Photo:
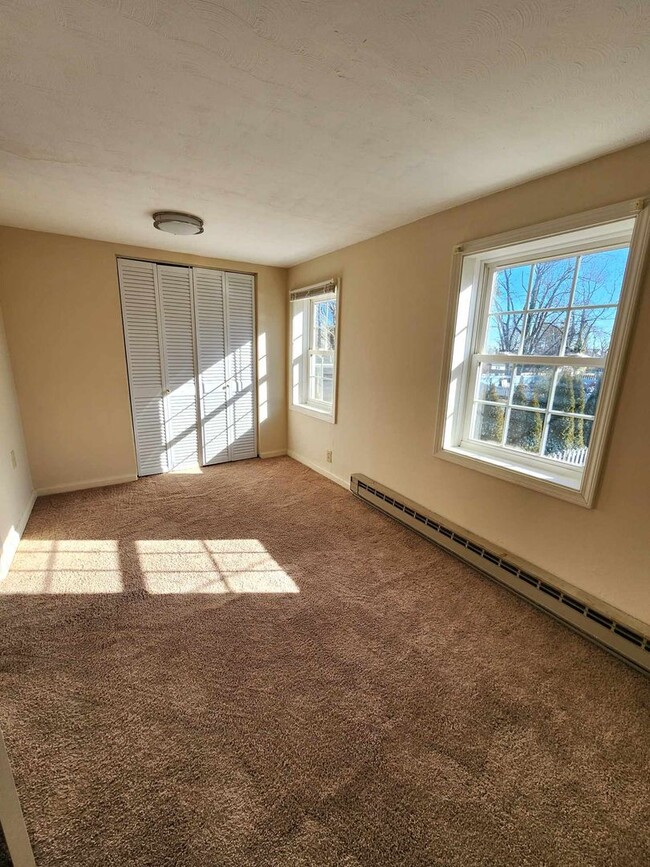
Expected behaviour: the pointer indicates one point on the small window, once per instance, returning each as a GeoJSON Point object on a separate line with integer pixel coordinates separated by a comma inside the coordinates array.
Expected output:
{"type": "Point", "coordinates": [314, 317]}
{"type": "Point", "coordinates": [541, 324]}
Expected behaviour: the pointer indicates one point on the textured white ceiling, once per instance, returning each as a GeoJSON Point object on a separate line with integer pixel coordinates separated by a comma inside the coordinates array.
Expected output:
{"type": "Point", "coordinates": [294, 127]}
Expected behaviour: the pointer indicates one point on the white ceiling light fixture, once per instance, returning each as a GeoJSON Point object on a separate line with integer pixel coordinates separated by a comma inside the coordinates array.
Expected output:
{"type": "Point", "coordinates": [177, 223]}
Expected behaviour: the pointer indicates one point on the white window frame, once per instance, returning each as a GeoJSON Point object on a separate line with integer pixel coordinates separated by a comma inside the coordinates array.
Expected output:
{"type": "Point", "coordinates": [302, 303]}
{"type": "Point", "coordinates": [473, 263]}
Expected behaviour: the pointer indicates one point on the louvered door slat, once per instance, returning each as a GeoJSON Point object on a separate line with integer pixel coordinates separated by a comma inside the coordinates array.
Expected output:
{"type": "Point", "coordinates": [175, 287]}
{"type": "Point", "coordinates": [211, 359]}
{"type": "Point", "coordinates": [190, 351]}
{"type": "Point", "coordinates": [140, 314]}
{"type": "Point", "coordinates": [240, 326]}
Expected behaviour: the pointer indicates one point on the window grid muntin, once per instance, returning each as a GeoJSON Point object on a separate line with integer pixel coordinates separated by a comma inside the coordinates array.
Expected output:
{"type": "Point", "coordinates": [302, 343]}
{"type": "Point", "coordinates": [308, 399]}
{"type": "Point", "coordinates": [538, 409]}
{"type": "Point", "coordinates": [525, 313]}
{"type": "Point", "coordinates": [577, 252]}
{"type": "Point", "coordinates": [626, 224]}
{"type": "Point", "coordinates": [584, 248]}
{"type": "Point", "coordinates": [327, 329]}
{"type": "Point", "coordinates": [552, 309]}
{"type": "Point", "coordinates": [312, 400]}
{"type": "Point", "coordinates": [546, 412]}
{"type": "Point", "coordinates": [508, 406]}
{"type": "Point", "coordinates": [548, 360]}
{"type": "Point", "coordinates": [488, 285]}
{"type": "Point", "coordinates": [516, 361]}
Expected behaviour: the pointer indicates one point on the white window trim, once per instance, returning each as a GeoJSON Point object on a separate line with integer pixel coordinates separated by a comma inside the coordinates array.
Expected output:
{"type": "Point", "coordinates": [469, 267]}
{"type": "Point", "coordinates": [323, 291]}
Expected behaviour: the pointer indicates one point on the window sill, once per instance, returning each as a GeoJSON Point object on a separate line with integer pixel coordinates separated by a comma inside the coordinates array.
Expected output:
{"type": "Point", "coordinates": [322, 414]}
{"type": "Point", "coordinates": [545, 481]}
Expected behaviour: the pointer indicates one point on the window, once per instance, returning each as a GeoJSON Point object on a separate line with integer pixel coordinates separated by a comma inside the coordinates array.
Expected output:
{"type": "Point", "coordinates": [313, 349]}
{"type": "Point", "coordinates": [541, 323]}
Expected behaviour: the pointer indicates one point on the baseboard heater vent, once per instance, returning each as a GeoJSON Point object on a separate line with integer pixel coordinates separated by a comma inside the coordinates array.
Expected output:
{"type": "Point", "coordinates": [587, 617]}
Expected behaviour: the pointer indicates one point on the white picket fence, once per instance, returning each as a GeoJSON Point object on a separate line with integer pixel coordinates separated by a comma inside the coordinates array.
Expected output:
{"type": "Point", "coordinates": [577, 457]}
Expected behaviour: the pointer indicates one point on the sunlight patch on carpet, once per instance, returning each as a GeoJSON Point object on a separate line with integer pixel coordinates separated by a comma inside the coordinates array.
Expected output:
{"type": "Point", "coordinates": [211, 566]}
{"type": "Point", "coordinates": [152, 566]}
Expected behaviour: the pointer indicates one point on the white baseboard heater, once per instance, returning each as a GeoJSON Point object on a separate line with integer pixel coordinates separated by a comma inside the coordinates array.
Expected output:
{"type": "Point", "coordinates": [604, 625]}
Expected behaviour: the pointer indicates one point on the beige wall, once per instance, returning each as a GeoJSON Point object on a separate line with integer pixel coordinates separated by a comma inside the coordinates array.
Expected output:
{"type": "Point", "coordinates": [15, 482]}
{"type": "Point", "coordinates": [394, 301]}
{"type": "Point", "coordinates": [62, 311]}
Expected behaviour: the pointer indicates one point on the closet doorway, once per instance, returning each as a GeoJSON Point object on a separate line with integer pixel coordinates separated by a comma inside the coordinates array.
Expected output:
{"type": "Point", "coordinates": [190, 348]}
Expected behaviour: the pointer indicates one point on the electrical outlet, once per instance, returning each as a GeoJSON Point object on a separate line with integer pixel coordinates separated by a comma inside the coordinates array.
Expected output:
{"type": "Point", "coordinates": [329, 457]}
{"type": "Point", "coordinates": [14, 463]}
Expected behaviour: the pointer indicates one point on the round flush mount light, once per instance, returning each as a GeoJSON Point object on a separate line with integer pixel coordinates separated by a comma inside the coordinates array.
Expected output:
{"type": "Point", "coordinates": [177, 223]}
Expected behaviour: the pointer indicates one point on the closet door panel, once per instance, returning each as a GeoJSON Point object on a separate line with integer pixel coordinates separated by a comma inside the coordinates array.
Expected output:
{"type": "Point", "coordinates": [209, 311]}
{"type": "Point", "coordinates": [240, 326]}
{"type": "Point", "coordinates": [190, 335]}
{"type": "Point", "coordinates": [175, 287]}
{"type": "Point", "coordinates": [150, 438]}
{"type": "Point", "coordinates": [141, 331]}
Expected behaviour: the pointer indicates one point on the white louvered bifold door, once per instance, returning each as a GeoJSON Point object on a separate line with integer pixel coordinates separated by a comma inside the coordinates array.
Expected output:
{"type": "Point", "coordinates": [240, 366]}
{"type": "Point", "coordinates": [177, 320]}
{"type": "Point", "coordinates": [209, 313]}
{"type": "Point", "coordinates": [190, 338]}
{"type": "Point", "coordinates": [141, 331]}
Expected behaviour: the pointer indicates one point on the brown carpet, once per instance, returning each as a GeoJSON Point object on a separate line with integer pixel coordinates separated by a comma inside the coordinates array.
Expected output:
{"type": "Point", "coordinates": [250, 667]}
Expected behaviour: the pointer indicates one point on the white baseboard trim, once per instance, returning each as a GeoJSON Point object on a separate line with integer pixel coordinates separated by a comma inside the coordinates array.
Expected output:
{"type": "Point", "coordinates": [278, 453]}
{"type": "Point", "coordinates": [13, 540]}
{"type": "Point", "coordinates": [87, 483]}
{"type": "Point", "coordinates": [318, 469]}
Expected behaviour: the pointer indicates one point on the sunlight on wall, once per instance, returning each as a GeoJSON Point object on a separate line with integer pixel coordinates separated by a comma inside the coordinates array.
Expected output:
{"type": "Point", "coordinates": [262, 385]}
{"type": "Point", "coordinates": [152, 566]}
{"type": "Point", "coordinates": [263, 402]}
{"type": "Point", "coordinates": [261, 356]}
{"type": "Point", "coordinates": [461, 331]}
{"type": "Point", "coordinates": [8, 548]}
{"type": "Point", "coordinates": [459, 347]}
{"type": "Point", "coordinates": [297, 329]}
{"type": "Point", "coordinates": [297, 334]}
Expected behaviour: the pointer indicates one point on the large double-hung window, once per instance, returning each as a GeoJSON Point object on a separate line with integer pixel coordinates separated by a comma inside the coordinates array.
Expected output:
{"type": "Point", "coordinates": [541, 324]}
{"type": "Point", "coordinates": [314, 321]}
